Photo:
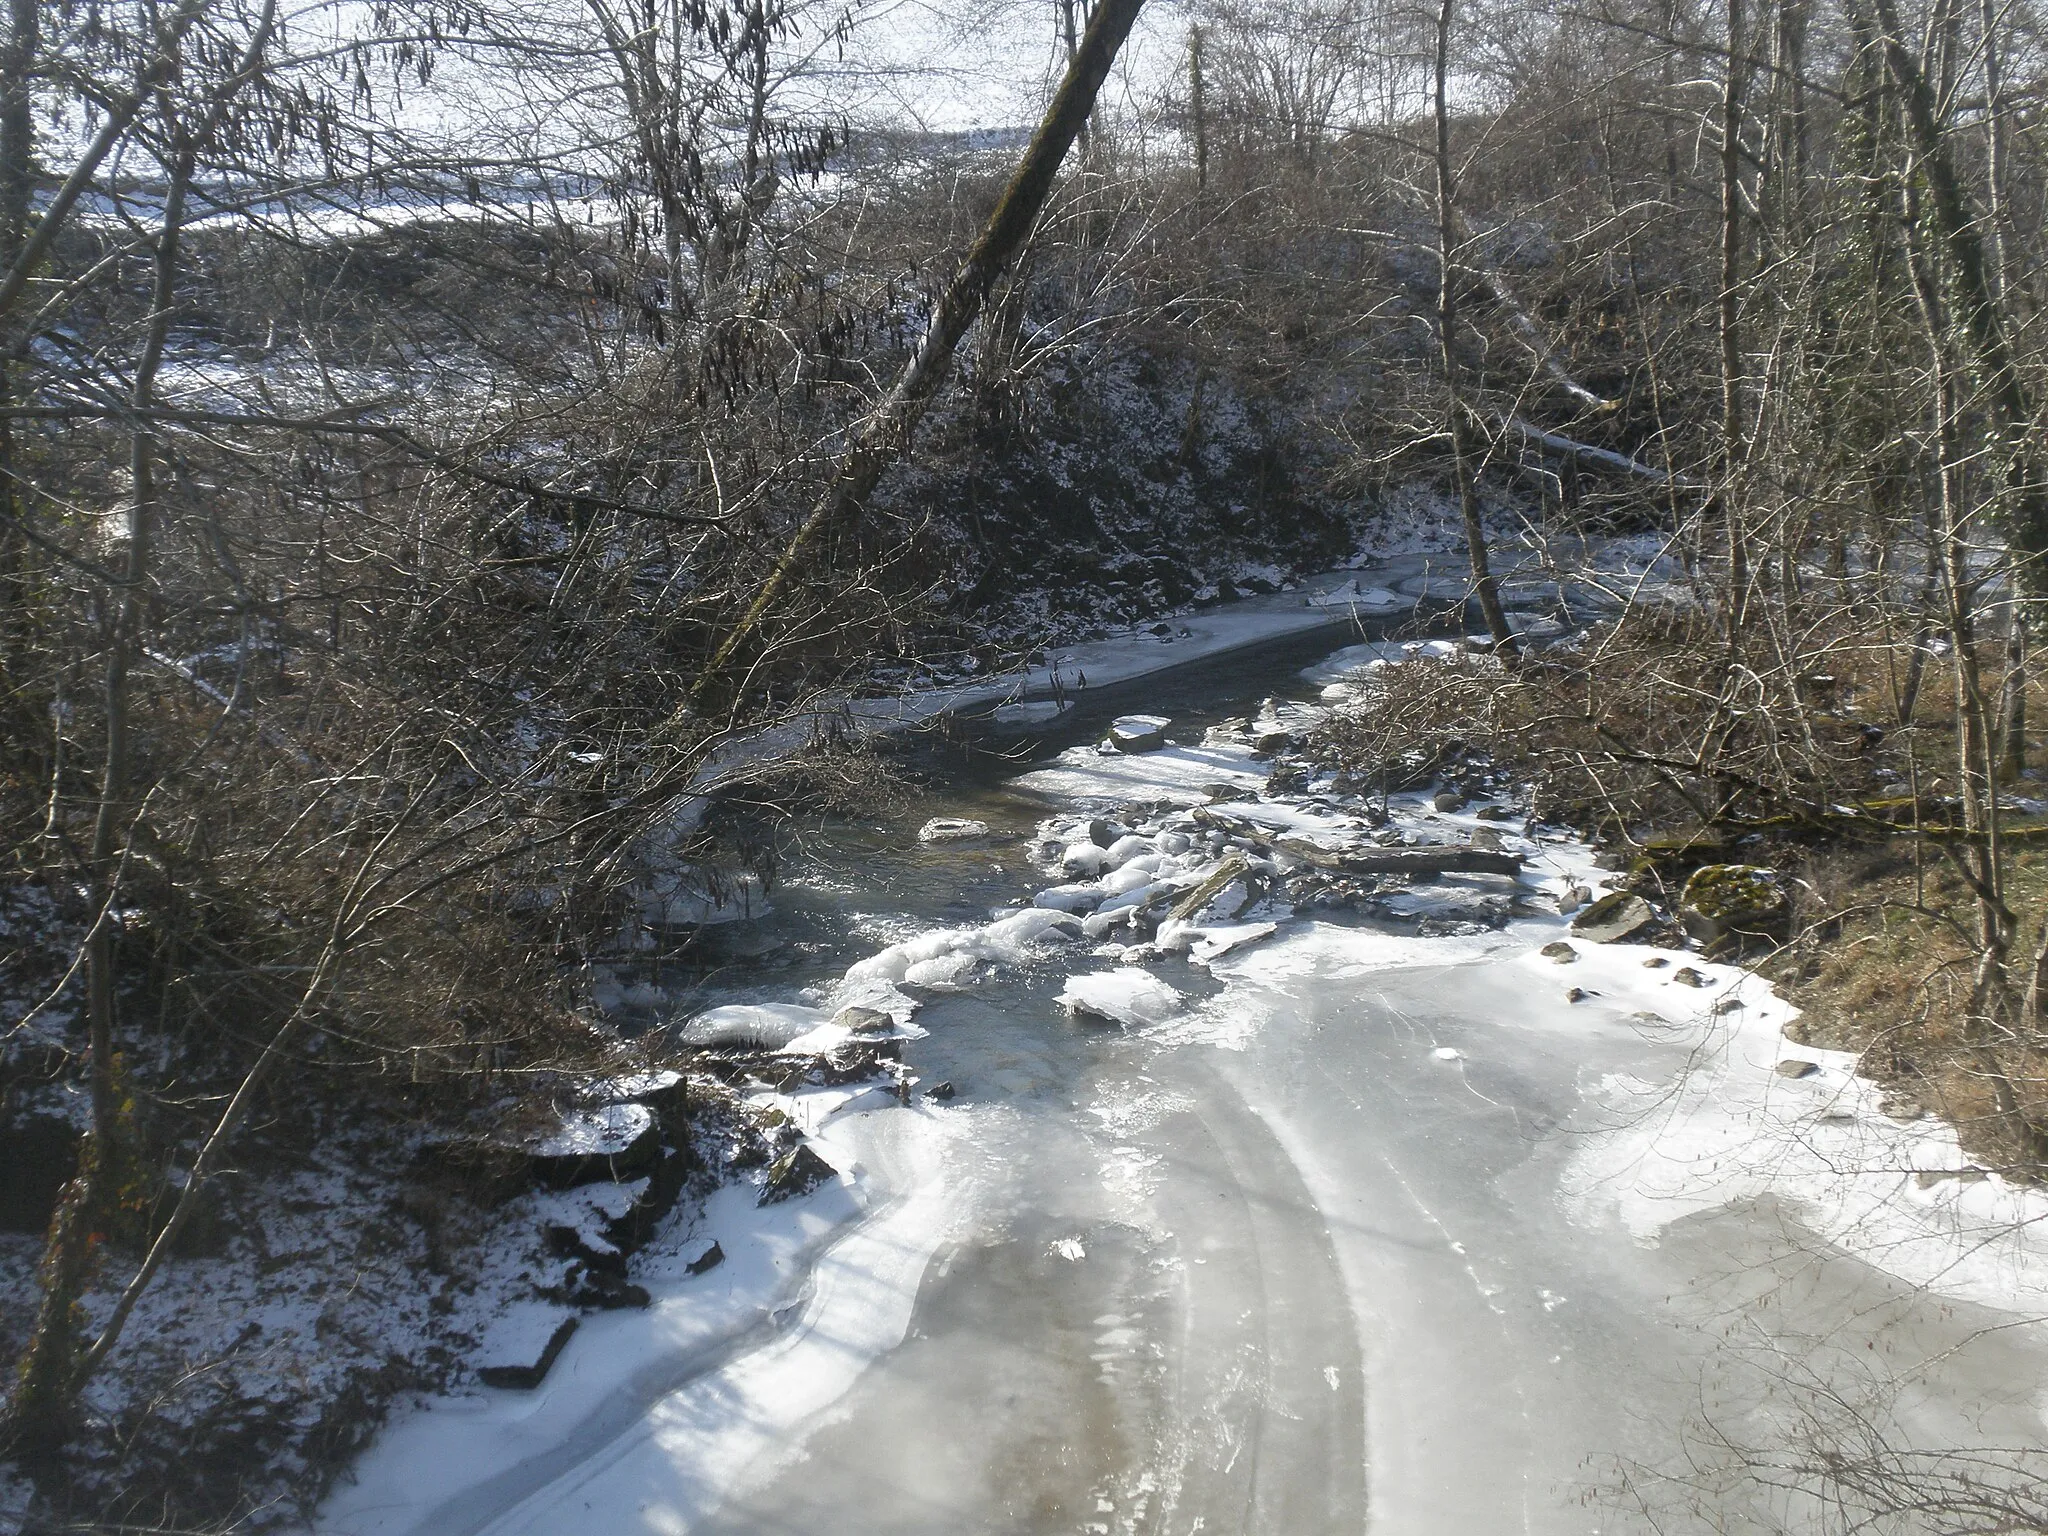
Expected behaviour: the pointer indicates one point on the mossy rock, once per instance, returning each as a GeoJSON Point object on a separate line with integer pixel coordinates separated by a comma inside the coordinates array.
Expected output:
{"type": "Point", "coordinates": [797, 1172]}
{"type": "Point", "coordinates": [1669, 859]}
{"type": "Point", "coordinates": [1614, 917]}
{"type": "Point", "coordinates": [1736, 901]}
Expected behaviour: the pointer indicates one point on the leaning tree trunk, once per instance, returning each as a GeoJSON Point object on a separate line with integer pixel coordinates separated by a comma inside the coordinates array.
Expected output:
{"type": "Point", "coordinates": [885, 435]}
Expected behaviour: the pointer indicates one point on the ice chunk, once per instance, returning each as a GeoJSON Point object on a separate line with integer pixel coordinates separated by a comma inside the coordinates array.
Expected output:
{"type": "Point", "coordinates": [877, 997]}
{"type": "Point", "coordinates": [1126, 995]}
{"type": "Point", "coordinates": [1210, 941]}
{"type": "Point", "coordinates": [770, 1026]}
{"type": "Point", "coordinates": [1008, 936]}
{"type": "Point", "coordinates": [945, 972]}
{"type": "Point", "coordinates": [1126, 848]}
{"type": "Point", "coordinates": [1069, 898]}
{"type": "Point", "coordinates": [1352, 595]}
{"type": "Point", "coordinates": [1034, 712]}
{"type": "Point", "coordinates": [947, 957]}
{"type": "Point", "coordinates": [822, 1041]}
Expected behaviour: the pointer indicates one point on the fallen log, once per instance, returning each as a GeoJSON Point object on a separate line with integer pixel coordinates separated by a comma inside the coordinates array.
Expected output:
{"type": "Point", "coordinates": [1457, 859]}
{"type": "Point", "coordinates": [1232, 868]}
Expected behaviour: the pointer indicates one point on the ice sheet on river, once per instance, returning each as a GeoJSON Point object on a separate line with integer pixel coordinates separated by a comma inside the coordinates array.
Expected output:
{"type": "Point", "coordinates": [1182, 775]}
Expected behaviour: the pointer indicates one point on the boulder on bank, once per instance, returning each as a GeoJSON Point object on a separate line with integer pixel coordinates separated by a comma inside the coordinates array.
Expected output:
{"type": "Point", "coordinates": [865, 1021]}
{"type": "Point", "coordinates": [1138, 733]}
{"type": "Point", "coordinates": [598, 1290]}
{"type": "Point", "coordinates": [662, 1089]}
{"type": "Point", "coordinates": [523, 1346]}
{"type": "Point", "coordinates": [1103, 833]}
{"type": "Point", "coordinates": [797, 1172]}
{"type": "Point", "coordinates": [612, 1141]}
{"type": "Point", "coordinates": [1724, 902]}
{"type": "Point", "coordinates": [1271, 740]}
{"type": "Point", "coordinates": [1614, 917]}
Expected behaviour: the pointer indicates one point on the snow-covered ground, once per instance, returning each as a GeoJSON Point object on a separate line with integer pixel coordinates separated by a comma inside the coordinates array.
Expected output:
{"type": "Point", "coordinates": [1399, 1216]}
{"type": "Point", "coordinates": [651, 1415]}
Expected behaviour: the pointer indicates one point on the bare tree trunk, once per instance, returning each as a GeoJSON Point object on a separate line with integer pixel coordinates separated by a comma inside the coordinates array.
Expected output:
{"type": "Point", "coordinates": [17, 187]}
{"type": "Point", "coordinates": [2021, 511]}
{"type": "Point", "coordinates": [2013, 714]}
{"type": "Point", "coordinates": [1071, 32]}
{"type": "Point", "coordinates": [208, 1159]}
{"type": "Point", "coordinates": [885, 435]}
{"type": "Point", "coordinates": [1733, 450]}
{"type": "Point", "coordinates": [1981, 863]}
{"type": "Point", "coordinates": [2012, 724]}
{"type": "Point", "coordinates": [40, 1411]}
{"type": "Point", "coordinates": [1483, 584]}
{"type": "Point", "coordinates": [1198, 107]}
{"type": "Point", "coordinates": [120, 115]}
{"type": "Point", "coordinates": [1995, 147]}
{"type": "Point", "coordinates": [49, 1378]}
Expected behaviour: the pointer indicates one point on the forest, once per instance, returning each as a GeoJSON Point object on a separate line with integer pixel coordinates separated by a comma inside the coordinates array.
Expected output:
{"type": "Point", "coordinates": [469, 475]}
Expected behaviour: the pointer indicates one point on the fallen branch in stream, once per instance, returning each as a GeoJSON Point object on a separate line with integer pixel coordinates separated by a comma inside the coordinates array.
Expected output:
{"type": "Point", "coordinates": [1458, 859]}
{"type": "Point", "coordinates": [1451, 859]}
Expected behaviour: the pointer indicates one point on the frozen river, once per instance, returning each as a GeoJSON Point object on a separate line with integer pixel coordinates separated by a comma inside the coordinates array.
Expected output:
{"type": "Point", "coordinates": [1292, 1270]}
{"type": "Point", "coordinates": [1375, 1233]}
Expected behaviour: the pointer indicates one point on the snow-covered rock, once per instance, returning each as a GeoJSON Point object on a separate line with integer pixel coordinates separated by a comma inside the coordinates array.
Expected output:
{"type": "Point", "coordinates": [951, 829]}
{"type": "Point", "coordinates": [1126, 848]}
{"type": "Point", "coordinates": [594, 1143]}
{"type": "Point", "coordinates": [523, 1345]}
{"type": "Point", "coordinates": [1138, 733]}
{"type": "Point", "coordinates": [1086, 858]}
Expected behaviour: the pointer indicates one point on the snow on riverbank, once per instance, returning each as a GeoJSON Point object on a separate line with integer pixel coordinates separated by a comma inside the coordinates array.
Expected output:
{"type": "Point", "coordinates": [1757, 1115]}
{"type": "Point", "coordinates": [651, 1417]}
